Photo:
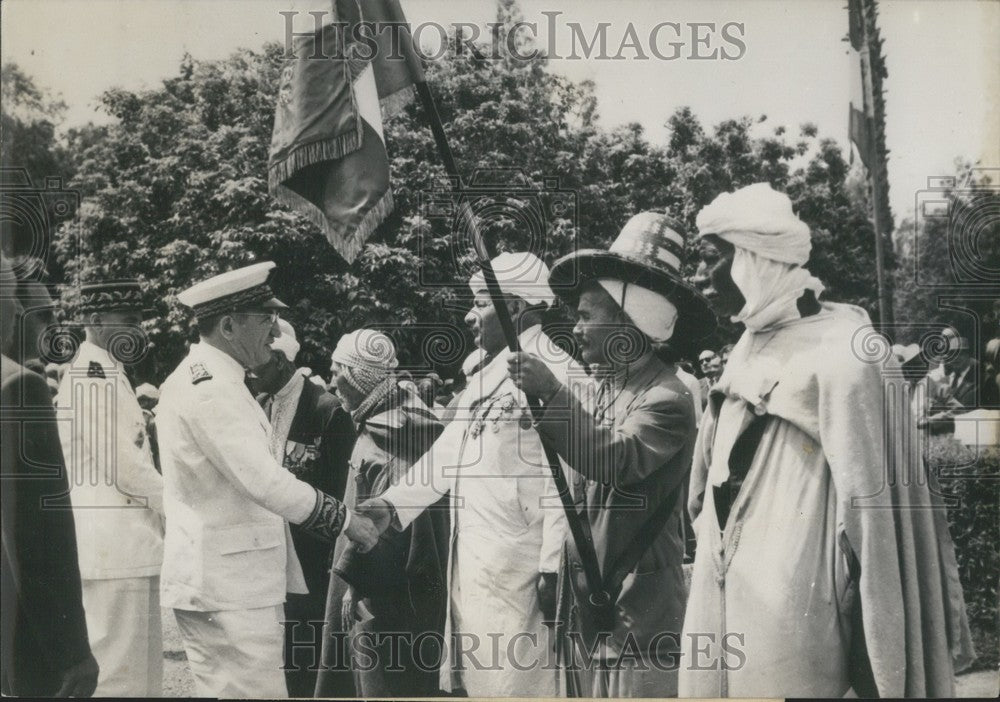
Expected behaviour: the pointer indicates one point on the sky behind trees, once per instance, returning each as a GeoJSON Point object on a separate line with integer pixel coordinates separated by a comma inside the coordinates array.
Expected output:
{"type": "Point", "coordinates": [943, 90]}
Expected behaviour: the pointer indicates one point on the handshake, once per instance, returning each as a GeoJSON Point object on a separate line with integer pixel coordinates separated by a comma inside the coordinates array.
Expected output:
{"type": "Point", "coordinates": [369, 520]}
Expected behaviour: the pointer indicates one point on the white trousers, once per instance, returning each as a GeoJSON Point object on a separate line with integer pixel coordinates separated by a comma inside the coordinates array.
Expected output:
{"type": "Point", "coordinates": [235, 653]}
{"type": "Point", "coordinates": [126, 638]}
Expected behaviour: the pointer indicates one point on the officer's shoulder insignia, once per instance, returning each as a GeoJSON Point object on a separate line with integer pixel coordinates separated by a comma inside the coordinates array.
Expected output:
{"type": "Point", "coordinates": [95, 370]}
{"type": "Point", "coordinates": [199, 373]}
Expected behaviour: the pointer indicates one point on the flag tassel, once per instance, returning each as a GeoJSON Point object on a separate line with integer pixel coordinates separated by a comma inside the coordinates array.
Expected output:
{"type": "Point", "coordinates": [307, 154]}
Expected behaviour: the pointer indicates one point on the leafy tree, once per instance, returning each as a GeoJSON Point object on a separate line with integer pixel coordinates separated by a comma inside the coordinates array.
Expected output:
{"type": "Point", "coordinates": [175, 190]}
{"type": "Point", "coordinates": [35, 161]}
{"type": "Point", "coordinates": [28, 120]}
{"type": "Point", "coordinates": [949, 257]}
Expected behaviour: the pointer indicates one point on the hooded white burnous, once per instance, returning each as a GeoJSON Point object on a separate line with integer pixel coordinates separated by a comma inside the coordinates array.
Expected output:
{"type": "Point", "coordinates": [823, 552]}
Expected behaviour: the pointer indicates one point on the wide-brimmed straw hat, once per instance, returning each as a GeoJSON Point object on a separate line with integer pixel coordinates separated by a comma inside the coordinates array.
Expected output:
{"type": "Point", "coordinates": [647, 253]}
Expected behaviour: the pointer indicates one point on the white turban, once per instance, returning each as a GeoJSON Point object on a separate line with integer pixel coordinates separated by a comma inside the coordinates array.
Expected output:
{"type": "Point", "coordinates": [772, 245]}
{"type": "Point", "coordinates": [652, 313]}
{"type": "Point", "coordinates": [521, 274]}
{"type": "Point", "coordinates": [286, 343]}
{"type": "Point", "coordinates": [759, 219]}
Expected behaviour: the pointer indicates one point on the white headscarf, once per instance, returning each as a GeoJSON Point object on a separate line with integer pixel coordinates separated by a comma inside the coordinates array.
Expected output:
{"type": "Point", "coordinates": [772, 244]}
{"type": "Point", "coordinates": [473, 361]}
{"type": "Point", "coordinates": [652, 313]}
{"type": "Point", "coordinates": [367, 358]}
{"type": "Point", "coordinates": [771, 289]}
{"type": "Point", "coordinates": [521, 274]}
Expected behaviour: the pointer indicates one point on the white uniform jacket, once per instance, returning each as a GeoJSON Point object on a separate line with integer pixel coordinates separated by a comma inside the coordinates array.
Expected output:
{"type": "Point", "coordinates": [116, 493]}
{"type": "Point", "coordinates": [227, 499]}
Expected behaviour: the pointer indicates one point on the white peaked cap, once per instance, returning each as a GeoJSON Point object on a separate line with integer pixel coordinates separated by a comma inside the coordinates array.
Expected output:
{"type": "Point", "coordinates": [241, 288]}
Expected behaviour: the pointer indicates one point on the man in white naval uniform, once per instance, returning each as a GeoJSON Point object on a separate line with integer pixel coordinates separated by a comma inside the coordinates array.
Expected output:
{"type": "Point", "coordinates": [117, 495]}
{"type": "Point", "coordinates": [508, 527]}
{"type": "Point", "coordinates": [228, 555]}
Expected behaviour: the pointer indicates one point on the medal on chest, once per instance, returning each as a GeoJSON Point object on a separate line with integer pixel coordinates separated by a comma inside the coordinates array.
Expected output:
{"type": "Point", "coordinates": [497, 410]}
{"type": "Point", "coordinates": [300, 458]}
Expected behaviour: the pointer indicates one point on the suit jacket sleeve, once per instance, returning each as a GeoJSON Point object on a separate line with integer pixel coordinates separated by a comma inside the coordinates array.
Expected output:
{"type": "Point", "coordinates": [335, 450]}
{"type": "Point", "coordinates": [621, 455]}
{"type": "Point", "coordinates": [49, 590]}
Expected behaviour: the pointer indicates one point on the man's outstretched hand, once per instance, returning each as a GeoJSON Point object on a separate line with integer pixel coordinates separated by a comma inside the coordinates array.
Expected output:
{"type": "Point", "coordinates": [377, 510]}
{"type": "Point", "coordinates": [362, 532]}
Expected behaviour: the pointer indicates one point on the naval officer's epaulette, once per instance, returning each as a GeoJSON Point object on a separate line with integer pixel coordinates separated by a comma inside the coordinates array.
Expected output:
{"type": "Point", "coordinates": [95, 370]}
{"type": "Point", "coordinates": [199, 373]}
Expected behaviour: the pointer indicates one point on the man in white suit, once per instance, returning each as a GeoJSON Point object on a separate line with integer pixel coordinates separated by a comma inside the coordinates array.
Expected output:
{"type": "Point", "coordinates": [228, 555]}
{"type": "Point", "coordinates": [507, 523]}
{"type": "Point", "coordinates": [117, 496]}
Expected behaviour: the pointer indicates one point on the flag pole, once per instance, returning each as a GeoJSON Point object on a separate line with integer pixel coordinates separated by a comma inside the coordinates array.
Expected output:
{"type": "Point", "coordinates": [867, 130]}
{"type": "Point", "coordinates": [579, 527]}
{"type": "Point", "coordinates": [879, 172]}
{"type": "Point", "coordinates": [878, 224]}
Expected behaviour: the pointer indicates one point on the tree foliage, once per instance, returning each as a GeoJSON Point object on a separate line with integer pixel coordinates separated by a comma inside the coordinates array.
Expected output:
{"type": "Point", "coordinates": [37, 164]}
{"type": "Point", "coordinates": [949, 260]}
{"type": "Point", "coordinates": [175, 190]}
{"type": "Point", "coordinates": [28, 121]}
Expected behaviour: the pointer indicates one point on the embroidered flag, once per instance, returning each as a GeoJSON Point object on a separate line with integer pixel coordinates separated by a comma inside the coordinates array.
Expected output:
{"type": "Point", "coordinates": [328, 159]}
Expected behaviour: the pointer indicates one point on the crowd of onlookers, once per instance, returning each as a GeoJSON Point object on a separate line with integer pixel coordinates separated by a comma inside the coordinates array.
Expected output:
{"type": "Point", "coordinates": [288, 520]}
{"type": "Point", "coordinates": [941, 389]}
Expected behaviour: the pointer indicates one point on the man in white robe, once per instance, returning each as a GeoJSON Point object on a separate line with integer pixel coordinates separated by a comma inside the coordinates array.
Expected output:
{"type": "Point", "coordinates": [821, 565]}
{"type": "Point", "coordinates": [507, 523]}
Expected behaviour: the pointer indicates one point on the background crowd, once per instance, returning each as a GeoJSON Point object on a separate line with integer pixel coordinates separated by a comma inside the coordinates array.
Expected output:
{"type": "Point", "coordinates": [173, 194]}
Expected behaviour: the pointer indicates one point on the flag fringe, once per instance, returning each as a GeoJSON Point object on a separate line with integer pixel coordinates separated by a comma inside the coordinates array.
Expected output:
{"type": "Point", "coordinates": [350, 247]}
{"type": "Point", "coordinates": [308, 154]}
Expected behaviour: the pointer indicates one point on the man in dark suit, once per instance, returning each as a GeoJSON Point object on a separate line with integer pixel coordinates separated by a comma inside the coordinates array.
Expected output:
{"type": "Point", "coordinates": [312, 435]}
{"type": "Point", "coordinates": [629, 445]}
{"type": "Point", "coordinates": [44, 632]}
